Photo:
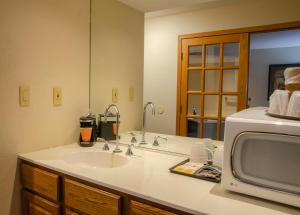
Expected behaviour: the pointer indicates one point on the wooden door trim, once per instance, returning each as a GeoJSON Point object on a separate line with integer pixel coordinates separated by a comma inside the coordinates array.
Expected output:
{"type": "Point", "coordinates": [248, 30]}
{"type": "Point", "coordinates": [253, 29]}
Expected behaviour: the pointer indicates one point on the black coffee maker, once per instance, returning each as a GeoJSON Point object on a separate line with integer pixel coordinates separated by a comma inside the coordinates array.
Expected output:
{"type": "Point", "coordinates": [107, 129]}
{"type": "Point", "coordinates": [88, 130]}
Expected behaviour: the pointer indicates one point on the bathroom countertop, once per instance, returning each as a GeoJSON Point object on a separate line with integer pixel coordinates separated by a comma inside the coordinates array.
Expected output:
{"type": "Point", "coordinates": [146, 175]}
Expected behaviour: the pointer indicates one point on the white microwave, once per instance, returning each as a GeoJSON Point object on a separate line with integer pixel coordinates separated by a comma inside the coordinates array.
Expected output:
{"type": "Point", "coordinates": [262, 156]}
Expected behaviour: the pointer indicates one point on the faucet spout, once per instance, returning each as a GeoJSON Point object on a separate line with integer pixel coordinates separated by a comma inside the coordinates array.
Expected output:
{"type": "Point", "coordinates": [113, 106]}
{"type": "Point", "coordinates": [151, 105]}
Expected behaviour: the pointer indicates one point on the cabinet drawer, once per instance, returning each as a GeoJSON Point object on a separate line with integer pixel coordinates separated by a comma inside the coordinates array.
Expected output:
{"type": "Point", "coordinates": [90, 200]}
{"type": "Point", "coordinates": [70, 212]}
{"type": "Point", "coordinates": [138, 208]}
{"type": "Point", "coordinates": [40, 181]}
{"type": "Point", "coordinates": [36, 205]}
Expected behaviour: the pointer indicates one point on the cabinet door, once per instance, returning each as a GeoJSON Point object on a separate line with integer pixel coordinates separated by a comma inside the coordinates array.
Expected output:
{"type": "Point", "coordinates": [90, 200]}
{"type": "Point", "coordinates": [70, 212]}
{"type": "Point", "coordinates": [36, 205]}
{"type": "Point", "coordinates": [138, 208]}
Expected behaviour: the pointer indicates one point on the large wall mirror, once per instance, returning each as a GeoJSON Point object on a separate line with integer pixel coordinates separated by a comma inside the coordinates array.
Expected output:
{"type": "Point", "coordinates": [132, 63]}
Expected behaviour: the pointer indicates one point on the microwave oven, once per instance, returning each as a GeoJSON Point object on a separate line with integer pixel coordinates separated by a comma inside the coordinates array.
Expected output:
{"type": "Point", "coordinates": [262, 156]}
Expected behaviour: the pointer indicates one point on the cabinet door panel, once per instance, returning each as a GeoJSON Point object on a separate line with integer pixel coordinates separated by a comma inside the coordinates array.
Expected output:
{"type": "Point", "coordinates": [70, 212]}
{"type": "Point", "coordinates": [90, 200]}
{"type": "Point", "coordinates": [40, 181]}
{"type": "Point", "coordinates": [138, 208]}
{"type": "Point", "coordinates": [35, 205]}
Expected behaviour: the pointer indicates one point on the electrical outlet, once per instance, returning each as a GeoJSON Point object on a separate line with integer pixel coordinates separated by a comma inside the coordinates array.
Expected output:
{"type": "Point", "coordinates": [160, 109]}
{"type": "Point", "coordinates": [57, 96]}
{"type": "Point", "coordinates": [24, 96]}
{"type": "Point", "coordinates": [131, 94]}
{"type": "Point", "coordinates": [115, 95]}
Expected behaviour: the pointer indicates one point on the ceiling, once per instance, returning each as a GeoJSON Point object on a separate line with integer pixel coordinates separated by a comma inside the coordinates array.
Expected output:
{"type": "Point", "coordinates": [173, 6]}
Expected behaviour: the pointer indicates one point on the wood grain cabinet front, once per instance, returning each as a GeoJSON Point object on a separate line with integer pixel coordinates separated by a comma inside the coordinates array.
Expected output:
{"type": "Point", "coordinates": [40, 181]}
{"type": "Point", "coordinates": [138, 208]}
{"type": "Point", "coordinates": [90, 200]}
{"type": "Point", "coordinates": [36, 205]}
{"type": "Point", "coordinates": [70, 212]}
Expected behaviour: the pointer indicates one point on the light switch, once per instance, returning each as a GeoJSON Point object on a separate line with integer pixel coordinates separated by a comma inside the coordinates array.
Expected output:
{"type": "Point", "coordinates": [115, 95]}
{"type": "Point", "coordinates": [24, 96]}
{"type": "Point", "coordinates": [131, 94]}
{"type": "Point", "coordinates": [57, 96]}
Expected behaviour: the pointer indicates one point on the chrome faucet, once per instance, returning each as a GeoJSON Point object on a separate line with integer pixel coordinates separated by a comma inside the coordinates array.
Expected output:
{"type": "Point", "coordinates": [117, 149]}
{"type": "Point", "coordinates": [143, 141]}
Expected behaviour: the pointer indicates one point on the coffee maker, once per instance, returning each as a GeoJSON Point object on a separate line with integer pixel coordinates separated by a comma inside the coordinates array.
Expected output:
{"type": "Point", "coordinates": [88, 130]}
{"type": "Point", "coordinates": [107, 127]}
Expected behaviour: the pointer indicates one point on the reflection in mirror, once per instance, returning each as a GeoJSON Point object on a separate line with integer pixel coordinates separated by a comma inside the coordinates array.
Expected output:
{"type": "Point", "coordinates": [212, 55]}
{"type": "Point", "coordinates": [194, 80]}
{"type": "Point", "coordinates": [121, 47]}
{"type": "Point", "coordinates": [195, 56]}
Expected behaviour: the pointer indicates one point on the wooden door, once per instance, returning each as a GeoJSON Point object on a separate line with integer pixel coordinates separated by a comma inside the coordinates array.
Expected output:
{"type": "Point", "coordinates": [213, 83]}
{"type": "Point", "coordinates": [36, 205]}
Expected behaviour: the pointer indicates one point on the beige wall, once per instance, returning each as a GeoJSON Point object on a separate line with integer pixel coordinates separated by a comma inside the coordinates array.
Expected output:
{"type": "Point", "coordinates": [42, 44]}
{"type": "Point", "coordinates": [161, 40]}
{"type": "Point", "coordinates": [117, 59]}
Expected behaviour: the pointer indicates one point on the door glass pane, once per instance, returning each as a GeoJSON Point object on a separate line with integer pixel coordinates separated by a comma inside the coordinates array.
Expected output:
{"type": "Point", "coordinates": [195, 56]}
{"type": "Point", "coordinates": [230, 80]}
{"type": "Point", "coordinates": [194, 107]}
{"type": "Point", "coordinates": [231, 54]}
{"type": "Point", "coordinates": [211, 105]}
{"type": "Point", "coordinates": [213, 55]}
{"type": "Point", "coordinates": [222, 130]}
{"type": "Point", "coordinates": [193, 127]}
{"type": "Point", "coordinates": [212, 80]}
{"type": "Point", "coordinates": [210, 128]}
{"type": "Point", "coordinates": [194, 80]}
{"type": "Point", "coordinates": [229, 105]}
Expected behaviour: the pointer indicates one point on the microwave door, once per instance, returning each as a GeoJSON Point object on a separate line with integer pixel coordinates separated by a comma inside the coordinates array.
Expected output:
{"type": "Point", "coordinates": [267, 160]}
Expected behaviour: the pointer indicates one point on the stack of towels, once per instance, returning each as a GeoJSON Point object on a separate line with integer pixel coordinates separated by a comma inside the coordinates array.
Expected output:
{"type": "Point", "coordinates": [287, 102]}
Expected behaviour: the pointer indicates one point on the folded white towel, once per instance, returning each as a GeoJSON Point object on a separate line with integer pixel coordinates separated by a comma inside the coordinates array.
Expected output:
{"type": "Point", "coordinates": [292, 75]}
{"type": "Point", "coordinates": [279, 102]}
{"type": "Point", "coordinates": [294, 105]}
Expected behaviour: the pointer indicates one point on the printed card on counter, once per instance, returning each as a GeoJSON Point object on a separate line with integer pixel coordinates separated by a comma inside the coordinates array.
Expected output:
{"type": "Point", "coordinates": [188, 167]}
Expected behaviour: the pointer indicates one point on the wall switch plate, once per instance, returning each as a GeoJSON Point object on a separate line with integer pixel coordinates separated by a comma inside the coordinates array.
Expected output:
{"type": "Point", "coordinates": [131, 94]}
{"type": "Point", "coordinates": [57, 96]}
{"type": "Point", "coordinates": [115, 95]}
{"type": "Point", "coordinates": [24, 96]}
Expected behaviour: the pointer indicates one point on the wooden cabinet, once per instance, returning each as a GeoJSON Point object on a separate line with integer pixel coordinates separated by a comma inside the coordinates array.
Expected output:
{"type": "Point", "coordinates": [90, 200]}
{"type": "Point", "coordinates": [36, 205]}
{"type": "Point", "coordinates": [138, 208]}
{"type": "Point", "coordinates": [53, 193]}
{"type": "Point", "coordinates": [40, 181]}
{"type": "Point", "coordinates": [70, 212]}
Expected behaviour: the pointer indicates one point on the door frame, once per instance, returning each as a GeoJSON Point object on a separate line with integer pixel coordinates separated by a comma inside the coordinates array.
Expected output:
{"type": "Point", "coordinates": [254, 29]}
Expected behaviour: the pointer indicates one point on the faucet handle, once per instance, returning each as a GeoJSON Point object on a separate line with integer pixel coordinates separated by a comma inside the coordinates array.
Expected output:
{"type": "Point", "coordinates": [133, 138]}
{"type": "Point", "coordinates": [105, 147]}
{"type": "Point", "coordinates": [129, 150]}
{"type": "Point", "coordinates": [156, 143]}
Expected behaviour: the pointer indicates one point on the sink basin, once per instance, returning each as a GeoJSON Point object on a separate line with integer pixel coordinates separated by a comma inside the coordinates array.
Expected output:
{"type": "Point", "coordinates": [96, 159]}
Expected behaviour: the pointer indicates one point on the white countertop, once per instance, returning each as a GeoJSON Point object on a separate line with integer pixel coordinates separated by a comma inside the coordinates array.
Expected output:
{"type": "Point", "coordinates": [176, 144]}
{"type": "Point", "coordinates": [146, 175]}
